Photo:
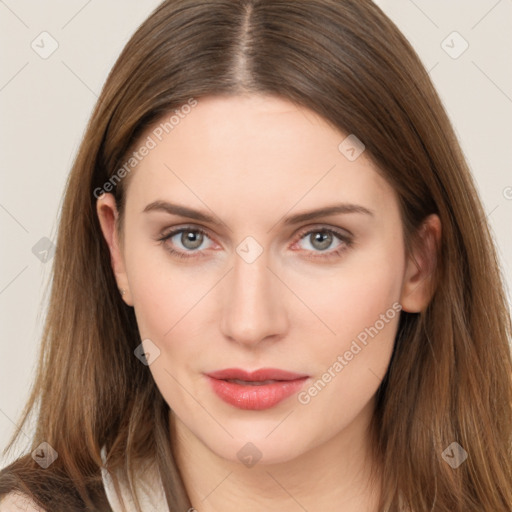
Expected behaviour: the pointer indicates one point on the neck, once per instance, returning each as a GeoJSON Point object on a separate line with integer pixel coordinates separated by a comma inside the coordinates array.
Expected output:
{"type": "Point", "coordinates": [333, 476]}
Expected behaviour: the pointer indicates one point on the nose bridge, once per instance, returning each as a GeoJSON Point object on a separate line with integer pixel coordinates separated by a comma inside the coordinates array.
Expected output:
{"type": "Point", "coordinates": [253, 305]}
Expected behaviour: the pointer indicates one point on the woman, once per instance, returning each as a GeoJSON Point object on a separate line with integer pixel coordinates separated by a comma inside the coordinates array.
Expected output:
{"type": "Point", "coordinates": [214, 341]}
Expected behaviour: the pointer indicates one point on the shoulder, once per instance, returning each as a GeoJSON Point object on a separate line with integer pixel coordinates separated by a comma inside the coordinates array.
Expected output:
{"type": "Point", "coordinates": [16, 501]}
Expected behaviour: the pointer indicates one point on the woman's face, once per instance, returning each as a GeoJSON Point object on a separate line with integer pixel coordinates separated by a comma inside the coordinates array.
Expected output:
{"type": "Point", "coordinates": [255, 281]}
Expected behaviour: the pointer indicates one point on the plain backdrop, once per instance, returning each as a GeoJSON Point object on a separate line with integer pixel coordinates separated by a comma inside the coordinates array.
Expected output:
{"type": "Point", "coordinates": [46, 100]}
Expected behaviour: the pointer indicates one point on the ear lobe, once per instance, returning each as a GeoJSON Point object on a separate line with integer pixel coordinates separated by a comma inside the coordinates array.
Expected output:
{"type": "Point", "coordinates": [419, 277]}
{"type": "Point", "coordinates": [107, 215]}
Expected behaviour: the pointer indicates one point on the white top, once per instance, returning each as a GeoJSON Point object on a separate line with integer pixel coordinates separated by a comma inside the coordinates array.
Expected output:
{"type": "Point", "coordinates": [150, 490]}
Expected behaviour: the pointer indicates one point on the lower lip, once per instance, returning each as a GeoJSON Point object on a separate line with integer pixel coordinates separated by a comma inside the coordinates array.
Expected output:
{"type": "Point", "coordinates": [255, 397]}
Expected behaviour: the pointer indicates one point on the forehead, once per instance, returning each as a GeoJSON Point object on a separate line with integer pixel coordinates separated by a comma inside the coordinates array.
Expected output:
{"type": "Point", "coordinates": [254, 151]}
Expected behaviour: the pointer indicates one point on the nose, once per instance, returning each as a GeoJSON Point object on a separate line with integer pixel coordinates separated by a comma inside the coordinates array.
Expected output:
{"type": "Point", "coordinates": [254, 307]}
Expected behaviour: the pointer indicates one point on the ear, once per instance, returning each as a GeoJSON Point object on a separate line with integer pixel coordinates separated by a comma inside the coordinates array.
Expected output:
{"type": "Point", "coordinates": [418, 284]}
{"type": "Point", "coordinates": [107, 214]}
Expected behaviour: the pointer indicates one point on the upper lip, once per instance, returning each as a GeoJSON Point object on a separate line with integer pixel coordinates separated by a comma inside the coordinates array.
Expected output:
{"type": "Point", "coordinates": [255, 376]}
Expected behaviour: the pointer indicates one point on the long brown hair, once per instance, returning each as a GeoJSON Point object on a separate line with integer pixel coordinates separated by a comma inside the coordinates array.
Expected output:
{"type": "Point", "coordinates": [450, 376]}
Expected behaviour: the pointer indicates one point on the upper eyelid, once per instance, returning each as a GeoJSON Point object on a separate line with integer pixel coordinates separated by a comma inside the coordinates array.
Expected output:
{"type": "Point", "coordinates": [324, 227]}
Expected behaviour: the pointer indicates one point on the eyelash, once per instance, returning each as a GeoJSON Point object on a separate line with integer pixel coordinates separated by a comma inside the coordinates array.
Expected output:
{"type": "Point", "coordinates": [347, 241]}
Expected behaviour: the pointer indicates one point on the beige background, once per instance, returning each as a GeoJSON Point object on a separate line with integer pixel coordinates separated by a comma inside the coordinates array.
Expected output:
{"type": "Point", "coordinates": [45, 104]}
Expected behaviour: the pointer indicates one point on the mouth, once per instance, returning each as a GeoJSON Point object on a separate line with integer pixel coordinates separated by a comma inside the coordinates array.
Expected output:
{"type": "Point", "coordinates": [258, 390]}
{"type": "Point", "coordinates": [251, 383]}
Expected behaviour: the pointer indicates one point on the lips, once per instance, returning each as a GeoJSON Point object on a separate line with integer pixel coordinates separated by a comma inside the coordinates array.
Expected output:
{"type": "Point", "coordinates": [257, 390]}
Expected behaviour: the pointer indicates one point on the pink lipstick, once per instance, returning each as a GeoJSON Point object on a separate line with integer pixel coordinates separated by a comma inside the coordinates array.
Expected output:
{"type": "Point", "coordinates": [258, 390]}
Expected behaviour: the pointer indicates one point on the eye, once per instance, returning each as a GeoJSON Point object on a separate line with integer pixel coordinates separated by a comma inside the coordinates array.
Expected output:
{"type": "Point", "coordinates": [323, 239]}
{"type": "Point", "coordinates": [190, 238]}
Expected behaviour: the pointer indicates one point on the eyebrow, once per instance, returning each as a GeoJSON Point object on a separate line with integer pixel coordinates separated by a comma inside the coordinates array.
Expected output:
{"type": "Point", "coordinates": [184, 211]}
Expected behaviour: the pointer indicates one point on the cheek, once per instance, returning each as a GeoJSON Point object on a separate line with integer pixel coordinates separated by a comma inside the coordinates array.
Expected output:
{"type": "Point", "coordinates": [360, 306]}
{"type": "Point", "coordinates": [170, 312]}
{"type": "Point", "coordinates": [164, 293]}
{"type": "Point", "coordinates": [353, 296]}
{"type": "Point", "coordinates": [349, 367]}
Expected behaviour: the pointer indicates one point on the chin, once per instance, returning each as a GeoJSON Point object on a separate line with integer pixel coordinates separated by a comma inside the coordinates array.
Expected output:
{"type": "Point", "coordinates": [256, 446]}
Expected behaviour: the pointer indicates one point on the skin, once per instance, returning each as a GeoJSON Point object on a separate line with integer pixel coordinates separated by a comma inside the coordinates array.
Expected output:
{"type": "Point", "coordinates": [250, 161]}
